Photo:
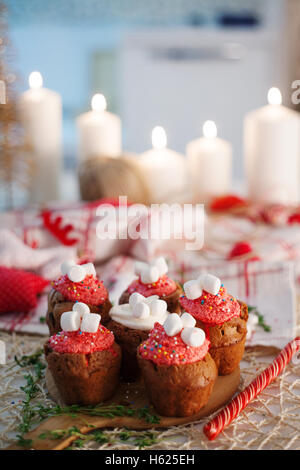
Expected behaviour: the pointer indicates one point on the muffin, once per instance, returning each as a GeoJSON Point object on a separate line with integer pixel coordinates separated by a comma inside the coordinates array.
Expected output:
{"type": "Point", "coordinates": [84, 359]}
{"type": "Point", "coordinates": [153, 280]}
{"type": "Point", "coordinates": [131, 324]}
{"type": "Point", "coordinates": [178, 371]}
{"type": "Point", "coordinates": [78, 283]}
{"type": "Point", "coordinates": [223, 318]}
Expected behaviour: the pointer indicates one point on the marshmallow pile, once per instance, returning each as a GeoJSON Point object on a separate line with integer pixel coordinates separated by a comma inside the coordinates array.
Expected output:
{"type": "Point", "coordinates": [151, 272]}
{"type": "Point", "coordinates": [208, 282]}
{"type": "Point", "coordinates": [143, 307]}
{"type": "Point", "coordinates": [77, 272]}
{"type": "Point", "coordinates": [141, 312]}
{"type": "Point", "coordinates": [80, 317]}
{"type": "Point", "coordinates": [186, 324]}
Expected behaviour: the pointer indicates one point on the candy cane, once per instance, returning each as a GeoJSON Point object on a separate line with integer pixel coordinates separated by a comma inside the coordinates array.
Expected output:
{"type": "Point", "coordinates": [233, 409]}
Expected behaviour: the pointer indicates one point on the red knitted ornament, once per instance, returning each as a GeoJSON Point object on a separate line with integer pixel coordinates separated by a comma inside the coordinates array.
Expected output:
{"type": "Point", "coordinates": [226, 203]}
{"type": "Point", "coordinates": [19, 289]}
{"type": "Point", "coordinates": [240, 249]}
{"type": "Point", "coordinates": [294, 219]}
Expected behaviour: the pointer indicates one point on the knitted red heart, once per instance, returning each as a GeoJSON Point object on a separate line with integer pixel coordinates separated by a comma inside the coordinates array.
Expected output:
{"type": "Point", "coordinates": [226, 203]}
{"type": "Point", "coordinates": [294, 219]}
{"type": "Point", "coordinates": [240, 249]}
{"type": "Point", "coordinates": [19, 289]}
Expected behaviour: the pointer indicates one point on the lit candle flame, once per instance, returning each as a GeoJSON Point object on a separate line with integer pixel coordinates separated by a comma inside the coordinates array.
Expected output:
{"type": "Point", "coordinates": [274, 96]}
{"type": "Point", "coordinates": [35, 80]}
{"type": "Point", "coordinates": [209, 129]}
{"type": "Point", "coordinates": [159, 138]}
{"type": "Point", "coordinates": [98, 102]}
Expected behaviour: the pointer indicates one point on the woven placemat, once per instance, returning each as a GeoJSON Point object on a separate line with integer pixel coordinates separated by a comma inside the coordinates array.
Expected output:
{"type": "Point", "coordinates": [272, 421]}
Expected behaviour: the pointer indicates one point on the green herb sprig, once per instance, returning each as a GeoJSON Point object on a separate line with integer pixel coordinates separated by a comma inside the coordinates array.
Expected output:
{"type": "Point", "coordinates": [139, 439]}
{"type": "Point", "coordinates": [33, 413]}
{"type": "Point", "coordinates": [30, 389]}
{"type": "Point", "coordinates": [106, 411]}
{"type": "Point", "coordinates": [261, 320]}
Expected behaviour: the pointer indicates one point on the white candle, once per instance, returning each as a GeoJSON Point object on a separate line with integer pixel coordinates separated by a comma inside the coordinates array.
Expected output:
{"type": "Point", "coordinates": [272, 151]}
{"type": "Point", "coordinates": [165, 170]}
{"type": "Point", "coordinates": [99, 131]}
{"type": "Point", "coordinates": [210, 164]}
{"type": "Point", "coordinates": [41, 116]}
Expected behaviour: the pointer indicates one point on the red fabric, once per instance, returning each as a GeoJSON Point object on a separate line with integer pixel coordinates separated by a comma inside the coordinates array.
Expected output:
{"type": "Point", "coordinates": [55, 227]}
{"type": "Point", "coordinates": [275, 214]}
{"type": "Point", "coordinates": [19, 289]}
{"type": "Point", "coordinates": [63, 232]}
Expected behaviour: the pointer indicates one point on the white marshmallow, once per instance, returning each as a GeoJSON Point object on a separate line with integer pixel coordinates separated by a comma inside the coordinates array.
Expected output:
{"type": "Point", "coordinates": [76, 273]}
{"type": "Point", "coordinates": [150, 275]}
{"type": "Point", "coordinates": [151, 272]}
{"type": "Point", "coordinates": [211, 284]}
{"type": "Point", "coordinates": [158, 307]}
{"type": "Point", "coordinates": [192, 289]}
{"type": "Point", "coordinates": [149, 299]}
{"type": "Point", "coordinates": [90, 322]}
{"type": "Point", "coordinates": [173, 324]}
{"type": "Point", "coordinates": [188, 321]}
{"type": "Point", "coordinates": [193, 336]}
{"type": "Point", "coordinates": [70, 321]}
{"type": "Point", "coordinates": [136, 298]}
{"type": "Point", "coordinates": [66, 265]}
{"type": "Point", "coordinates": [89, 268]}
{"type": "Point", "coordinates": [201, 278]}
{"type": "Point", "coordinates": [141, 310]}
{"type": "Point", "coordinates": [139, 266]}
{"type": "Point", "coordinates": [81, 308]}
{"type": "Point", "coordinates": [161, 264]}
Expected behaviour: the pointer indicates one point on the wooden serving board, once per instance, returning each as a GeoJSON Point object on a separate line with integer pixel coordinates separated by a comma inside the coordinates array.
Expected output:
{"type": "Point", "coordinates": [131, 394]}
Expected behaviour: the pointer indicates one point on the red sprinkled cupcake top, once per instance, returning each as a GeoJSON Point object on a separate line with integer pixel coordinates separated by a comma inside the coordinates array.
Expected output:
{"type": "Point", "coordinates": [170, 350]}
{"type": "Point", "coordinates": [80, 342]}
{"type": "Point", "coordinates": [163, 287]}
{"type": "Point", "coordinates": [89, 291]}
{"type": "Point", "coordinates": [212, 309]}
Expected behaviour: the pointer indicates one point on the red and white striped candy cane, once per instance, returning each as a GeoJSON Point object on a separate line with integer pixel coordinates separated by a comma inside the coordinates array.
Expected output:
{"type": "Point", "coordinates": [233, 409]}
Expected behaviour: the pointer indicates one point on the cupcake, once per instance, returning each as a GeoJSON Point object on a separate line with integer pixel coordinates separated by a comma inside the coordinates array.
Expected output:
{"type": "Point", "coordinates": [83, 358]}
{"type": "Point", "coordinates": [131, 324]}
{"type": "Point", "coordinates": [178, 371]}
{"type": "Point", "coordinates": [78, 283]}
{"type": "Point", "coordinates": [222, 316]}
{"type": "Point", "coordinates": [153, 280]}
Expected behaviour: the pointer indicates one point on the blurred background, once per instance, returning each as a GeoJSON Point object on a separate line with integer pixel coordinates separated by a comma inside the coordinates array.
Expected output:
{"type": "Point", "coordinates": [175, 63]}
